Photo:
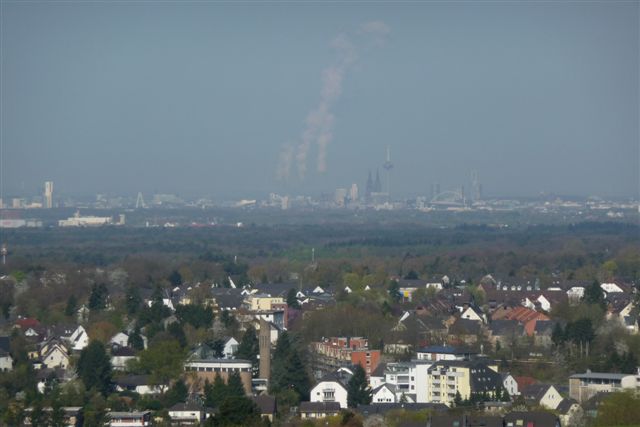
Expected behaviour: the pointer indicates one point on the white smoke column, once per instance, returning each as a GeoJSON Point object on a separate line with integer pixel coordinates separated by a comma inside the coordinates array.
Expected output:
{"type": "Point", "coordinates": [320, 121]}
{"type": "Point", "coordinates": [284, 163]}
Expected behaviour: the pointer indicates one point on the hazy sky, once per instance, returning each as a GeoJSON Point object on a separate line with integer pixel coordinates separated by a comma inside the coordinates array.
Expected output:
{"type": "Point", "coordinates": [224, 98]}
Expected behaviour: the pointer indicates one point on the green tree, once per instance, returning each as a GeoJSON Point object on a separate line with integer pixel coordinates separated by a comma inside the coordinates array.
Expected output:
{"type": "Point", "coordinates": [394, 291]}
{"type": "Point", "coordinates": [98, 297]}
{"type": "Point", "coordinates": [292, 300]}
{"type": "Point", "coordinates": [175, 278]}
{"type": "Point", "coordinates": [135, 340]}
{"type": "Point", "coordinates": [38, 416]}
{"type": "Point", "coordinates": [234, 385]}
{"type": "Point", "coordinates": [163, 361]}
{"type": "Point", "coordinates": [215, 393]}
{"type": "Point", "coordinates": [72, 305]}
{"type": "Point", "coordinates": [619, 409]}
{"type": "Point", "coordinates": [593, 294]}
{"type": "Point", "coordinates": [94, 367]}
{"type": "Point", "coordinates": [95, 412]}
{"type": "Point", "coordinates": [358, 389]}
{"type": "Point", "coordinates": [238, 411]}
{"type": "Point", "coordinates": [288, 369]}
{"type": "Point", "coordinates": [133, 300]}
{"type": "Point", "coordinates": [176, 331]}
{"type": "Point", "coordinates": [249, 347]}
{"type": "Point", "coordinates": [177, 393]}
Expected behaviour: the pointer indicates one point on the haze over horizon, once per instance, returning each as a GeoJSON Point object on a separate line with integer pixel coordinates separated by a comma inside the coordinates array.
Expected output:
{"type": "Point", "coordinates": [248, 98]}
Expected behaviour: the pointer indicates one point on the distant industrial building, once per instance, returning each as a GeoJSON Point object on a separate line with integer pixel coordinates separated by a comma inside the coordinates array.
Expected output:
{"type": "Point", "coordinates": [48, 194]}
{"type": "Point", "coordinates": [85, 221]}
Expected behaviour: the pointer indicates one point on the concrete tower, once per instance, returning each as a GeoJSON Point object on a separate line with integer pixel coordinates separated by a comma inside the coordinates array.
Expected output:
{"type": "Point", "coordinates": [264, 342]}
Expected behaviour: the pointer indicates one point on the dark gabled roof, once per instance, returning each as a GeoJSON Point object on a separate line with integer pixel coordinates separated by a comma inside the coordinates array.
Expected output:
{"type": "Point", "coordinates": [189, 406]}
{"type": "Point", "coordinates": [319, 407]}
{"type": "Point", "coordinates": [122, 351]}
{"type": "Point", "coordinates": [445, 349]}
{"type": "Point", "coordinates": [442, 420]}
{"type": "Point", "coordinates": [535, 391]}
{"type": "Point", "coordinates": [379, 371]}
{"type": "Point", "coordinates": [484, 379]}
{"type": "Point", "coordinates": [544, 327]}
{"type": "Point", "coordinates": [465, 327]}
{"type": "Point", "coordinates": [339, 377]}
{"type": "Point", "coordinates": [227, 297]}
{"type": "Point", "coordinates": [504, 327]}
{"type": "Point", "coordinates": [565, 405]}
{"type": "Point", "coordinates": [5, 344]}
{"type": "Point", "coordinates": [381, 408]}
{"type": "Point", "coordinates": [276, 289]}
{"type": "Point", "coordinates": [267, 404]}
{"type": "Point", "coordinates": [539, 418]}
{"type": "Point", "coordinates": [132, 380]}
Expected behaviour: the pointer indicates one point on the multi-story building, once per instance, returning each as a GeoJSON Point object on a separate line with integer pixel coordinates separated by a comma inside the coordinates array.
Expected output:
{"type": "Point", "coordinates": [200, 370]}
{"type": "Point", "coordinates": [584, 386]}
{"type": "Point", "coordinates": [336, 352]}
{"type": "Point", "coordinates": [446, 379]}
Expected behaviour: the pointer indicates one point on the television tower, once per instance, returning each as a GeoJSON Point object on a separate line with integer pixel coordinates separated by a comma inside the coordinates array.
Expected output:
{"type": "Point", "coordinates": [387, 167]}
{"type": "Point", "coordinates": [4, 252]}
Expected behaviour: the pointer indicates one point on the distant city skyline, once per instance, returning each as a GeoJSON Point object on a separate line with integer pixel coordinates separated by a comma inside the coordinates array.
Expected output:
{"type": "Point", "coordinates": [226, 99]}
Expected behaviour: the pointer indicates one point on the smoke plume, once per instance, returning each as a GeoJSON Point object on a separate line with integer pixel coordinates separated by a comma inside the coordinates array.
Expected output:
{"type": "Point", "coordinates": [319, 122]}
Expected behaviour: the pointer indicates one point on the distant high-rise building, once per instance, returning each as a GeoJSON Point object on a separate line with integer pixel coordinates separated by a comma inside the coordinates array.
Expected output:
{"type": "Point", "coordinates": [377, 187]}
{"type": "Point", "coordinates": [353, 193]}
{"type": "Point", "coordinates": [48, 194]}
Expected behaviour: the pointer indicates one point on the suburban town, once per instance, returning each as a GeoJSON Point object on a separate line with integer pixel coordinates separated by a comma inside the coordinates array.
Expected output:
{"type": "Point", "coordinates": [277, 213]}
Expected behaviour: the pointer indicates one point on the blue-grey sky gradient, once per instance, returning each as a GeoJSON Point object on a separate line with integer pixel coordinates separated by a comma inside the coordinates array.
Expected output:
{"type": "Point", "coordinates": [200, 97]}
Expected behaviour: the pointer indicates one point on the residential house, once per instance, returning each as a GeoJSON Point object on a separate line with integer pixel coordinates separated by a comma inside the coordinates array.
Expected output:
{"type": "Point", "coordinates": [79, 339]}
{"type": "Point", "coordinates": [570, 413]}
{"type": "Point", "coordinates": [230, 347]}
{"type": "Point", "coordinates": [140, 384]}
{"type": "Point", "coordinates": [6, 361]}
{"type": "Point", "coordinates": [331, 388]}
{"type": "Point", "coordinates": [267, 406]}
{"type": "Point", "coordinates": [474, 313]}
{"type": "Point", "coordinates": [120, 356]}
{"type": "Point", "coordinates": [545, 395]}
{"type": "Point", "coordinates": [504, 333]}
{"type": "Point", "coordinates": [531, 419]}
{"type": "Point", "coordinates": [55, 356]}
{"type": "Point", "coordinates": [465, 331]}
{"type": "Point", "coordinates": [464, 420]}
{"type": "Point", "coordinates": [509, 384]}
{"type": "Point", "coordinates": [318, 409]}
{"type": "Point", "coordinates": [385, 393]}
{"type": "Point", "coordinates": [129, 419]}
{"type": "Point", "coordinates": [187, 414]}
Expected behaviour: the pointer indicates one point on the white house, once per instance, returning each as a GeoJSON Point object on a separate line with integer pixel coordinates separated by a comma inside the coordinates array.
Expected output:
{"type": "Point", "coordinates": [121, 339]}
{"type": "Point", "coordinates": [129, 419]}
{"type": "Point", "coordinates": [543, 394]}
{"type": "Point", "coordinates": [120, 356]}
{"type": "Point", "coordinates": [386, 393]}
{"type": "Point", "coordinates": [186, 414]}
{"type": "Point", "coordinates": [575, 294]}
{"type": "Point", "coordinates": [332, 388]}
{"type": "Point", "coordinates": [230, 348]}
{"type": "Point", "coordinates": [472, 314]}
{"type": "Point", "coordinates": [6, 362]}
{"type": "Point", "coordinates": [510, 384]}
{"type": "Point", "coordinates": [611, 288]}
{"type": "Point", "coordinates": [79, 339]}
{"type": "Point", "coordinates": [56, 356]}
